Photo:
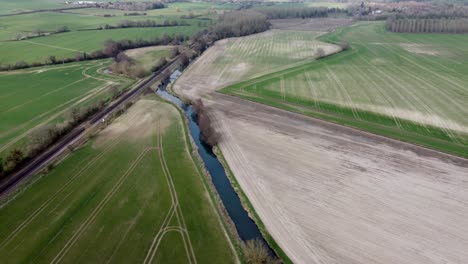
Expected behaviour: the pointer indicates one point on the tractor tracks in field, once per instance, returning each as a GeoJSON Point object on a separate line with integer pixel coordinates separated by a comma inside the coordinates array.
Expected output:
{"type": "Point", "coordinates": [46, 203]}
{"type": "Point", "coordinates": [174, 210]}
{"type": "Point", "coordinates": [84, 226]}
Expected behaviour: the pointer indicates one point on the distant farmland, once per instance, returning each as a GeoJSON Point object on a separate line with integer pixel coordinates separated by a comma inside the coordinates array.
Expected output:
{"type": "Point", "coordinates": [232, 60]}
{"type": "Point", "coordinates": [131, 195]}
{"type": "Point", "coordinates": [410, 86]}
{"type": "Point", "coordinates": [67, 45]}
{"type": "Point", "coordinates": [31, 99]}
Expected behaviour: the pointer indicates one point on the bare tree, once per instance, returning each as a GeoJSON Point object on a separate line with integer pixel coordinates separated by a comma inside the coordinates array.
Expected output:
{"type": "Point", "coordinates": [256, 252]}
{"type": "Point", "coordinates": [320, 53]}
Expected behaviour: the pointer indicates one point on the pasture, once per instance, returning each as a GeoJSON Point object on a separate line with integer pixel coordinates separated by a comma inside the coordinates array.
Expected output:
{"type": "Point", "coordinates": [31, 99]}
{"type": "Point", "coordinates": [149, 56]}
{"type": "Point", "coordinates": [79, 41]}
{"type": "Point", "coordinates": [236, 59]}
{"type": "Point", "coordinates": [133, 194]}
{"type": "Point", "coordinates": [412, 87]}
{"type": "Point", "coordinates": [68, 44]}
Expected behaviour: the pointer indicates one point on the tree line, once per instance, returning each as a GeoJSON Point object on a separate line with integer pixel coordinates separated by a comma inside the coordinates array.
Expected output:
{"type": "Point", "coordinates": [239, 23]}
{"type": "Point", "coordinates": [454, 26]}
{"type": "Point", "coordinates": [143, 23]}
{"type": "Point", "coordinates": [49, 134]}
{"type": "Point", "coordinates": [111, 49]}
{"type": "Point", "coordinates": [297, 12]}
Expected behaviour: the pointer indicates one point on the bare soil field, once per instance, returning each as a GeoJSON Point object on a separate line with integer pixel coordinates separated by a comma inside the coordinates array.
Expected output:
{"type": "Point", "coordinates": [238, 59]}
{"type": "Point", "coordinates": [331, 194]}
{"type": "Point", "coordinates": [310, 24]}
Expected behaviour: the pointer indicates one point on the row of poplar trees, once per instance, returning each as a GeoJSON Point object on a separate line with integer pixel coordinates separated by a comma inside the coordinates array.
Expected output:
{"type": "Point", "coordinates": [456, 26]}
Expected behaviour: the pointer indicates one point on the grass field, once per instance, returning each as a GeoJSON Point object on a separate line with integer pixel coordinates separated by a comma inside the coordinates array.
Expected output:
{"type": "Point", "coordinates": [69, 44]}
{"type": "Point", "coordinates": [31, 99]}
{"type": "Point", "coordinates": [232, 60]}
{"type": "Point", "coordinates": [131, 195]}
{"type": "Point", "coordinates": [412, 87]}
{"type": "Point", "coordinates": [149, 56]}
{"type": "Point", "coordinates": [9, 7]}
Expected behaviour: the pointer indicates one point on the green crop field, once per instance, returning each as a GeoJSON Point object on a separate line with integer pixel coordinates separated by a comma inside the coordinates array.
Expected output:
{"type": "Point", "coordinates": [412, 87]}
{"type": "Point", "coordinates": [9, 7]}
{"type": "Point", "coordinates": [30, 99]}
{"type": "Point", "coordinates": [149, 56]}
{"type": "Point", "coordinates": [235, 59]}
{"type": "Point", "coordinates": [133, 194]}
{"type": "Point", "coordinates": [68, 44]}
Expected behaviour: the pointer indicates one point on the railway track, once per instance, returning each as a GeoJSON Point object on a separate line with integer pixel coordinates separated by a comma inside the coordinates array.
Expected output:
{"type": "Point", "coordinates": [52, 152]}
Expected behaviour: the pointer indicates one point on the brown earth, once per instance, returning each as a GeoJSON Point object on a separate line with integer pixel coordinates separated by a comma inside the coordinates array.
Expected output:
{"type": "Point", "coordinates": [331, 194]}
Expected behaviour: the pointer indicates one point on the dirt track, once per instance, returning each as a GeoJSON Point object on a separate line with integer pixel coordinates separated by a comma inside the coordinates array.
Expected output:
{"type": "Point", "coordinates": [329, 194]}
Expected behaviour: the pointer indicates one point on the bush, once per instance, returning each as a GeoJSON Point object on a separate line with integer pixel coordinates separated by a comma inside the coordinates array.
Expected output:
{"type": "Point", "coordinates": [208, 133]}
{"type": "Point", "coordinates": [256, 252]}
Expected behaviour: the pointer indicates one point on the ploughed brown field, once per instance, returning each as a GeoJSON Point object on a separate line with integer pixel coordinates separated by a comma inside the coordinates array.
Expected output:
{"type": "Point", "coordinates": [330, 194]}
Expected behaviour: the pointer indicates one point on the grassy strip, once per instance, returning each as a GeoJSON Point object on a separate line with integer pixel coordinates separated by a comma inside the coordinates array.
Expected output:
{"type": "Point", "coordinates": [214, 196]}
{"type": "Point", "coordinates": [250, 209]}
{"type": "Point", "coordinates": [411, 132]}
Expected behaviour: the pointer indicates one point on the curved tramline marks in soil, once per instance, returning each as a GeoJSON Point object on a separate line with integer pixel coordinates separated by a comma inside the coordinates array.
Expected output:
{"type": "Point", "coordinates": [178, 211]}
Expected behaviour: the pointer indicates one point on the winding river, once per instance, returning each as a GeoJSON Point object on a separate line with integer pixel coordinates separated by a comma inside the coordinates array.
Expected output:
{"type": "Point", "coordinates": [245, 226]}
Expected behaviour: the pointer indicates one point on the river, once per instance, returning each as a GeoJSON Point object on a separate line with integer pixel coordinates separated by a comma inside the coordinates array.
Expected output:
{"type": "Point", "coordinates": [245, 226]}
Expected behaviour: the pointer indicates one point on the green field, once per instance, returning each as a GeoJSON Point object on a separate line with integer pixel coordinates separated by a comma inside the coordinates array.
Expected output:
{"type": "Point", "coordinates": [69, 44]}
{"type": "Point", "coordinates": [78, 41]}
{"type": "Point", "coordinates": [149, 56]}
{"type": "Point", "coordinates": [131, 195]}
{"type": "Point", "coordinates": [235, 59]}
{"type": "Point", "coordinates": [31, 99]}
{"type": "Point", "coordinates": [413, 87]}
{"type": "Point", "coordinates": [9, 7]}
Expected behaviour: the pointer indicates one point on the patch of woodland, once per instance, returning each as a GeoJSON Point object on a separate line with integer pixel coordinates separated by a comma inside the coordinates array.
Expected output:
{"type": "Point", "coordinates": [408, 10]}
{"type": "Point", "coordinates": [208, 134]}
{"type": "Point", "coordinates": [141, 24]}
{"type": "Point", "coordinates": [125, 6]}
{"type": "Point", "coordinates": [298, 12]}
{"type": "Point", "coordinates": [239, 23]}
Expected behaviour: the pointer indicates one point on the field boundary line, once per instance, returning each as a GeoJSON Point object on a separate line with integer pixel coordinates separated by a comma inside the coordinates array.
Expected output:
{"type": "Point", "coordinates": [55, 195]}
{"type": "Point", "coordinates": [99, 207]}
{"type": "Point", "coordinates": [51, 46]}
